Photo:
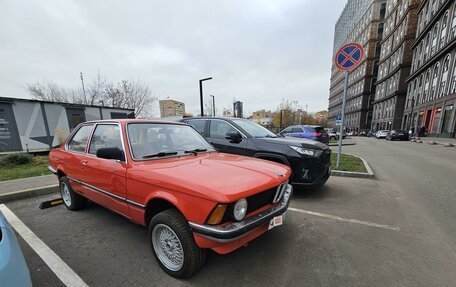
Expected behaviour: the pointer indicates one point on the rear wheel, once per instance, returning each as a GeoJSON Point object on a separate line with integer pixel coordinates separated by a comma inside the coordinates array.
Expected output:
{"type": "Point", "coordinates": [173, 244]}
{"type": "Point", "coordinates": [71, 200]}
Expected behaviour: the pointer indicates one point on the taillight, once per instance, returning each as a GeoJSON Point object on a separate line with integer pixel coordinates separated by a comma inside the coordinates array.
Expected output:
{"type": "Point", "coordinates": [316, 135]}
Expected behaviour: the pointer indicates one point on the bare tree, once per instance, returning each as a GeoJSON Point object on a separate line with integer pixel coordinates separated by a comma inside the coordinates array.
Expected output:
{"type": "Point", "coordinates": [96, 90]}
{"type": "Point", "coordinates": [124, 94]}
{"type": "Point", "coordinates": [50, 91]}
{"type": "Point", "coordinates": [131, 95]}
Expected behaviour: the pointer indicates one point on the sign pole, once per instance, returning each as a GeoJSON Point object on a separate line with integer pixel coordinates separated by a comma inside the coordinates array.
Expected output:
{"type": "Point", "coordinates": [342, 120]}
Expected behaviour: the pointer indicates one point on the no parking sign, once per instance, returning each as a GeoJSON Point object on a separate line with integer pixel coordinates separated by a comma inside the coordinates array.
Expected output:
{"type": "Point", "coordinates": [346, 59]}
{"type": "Point", "coordinates": [349, 56]}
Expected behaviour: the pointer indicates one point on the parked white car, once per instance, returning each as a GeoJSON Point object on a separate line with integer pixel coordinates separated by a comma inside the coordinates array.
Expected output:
{"type": "Point", "coordinates": [382, 134]}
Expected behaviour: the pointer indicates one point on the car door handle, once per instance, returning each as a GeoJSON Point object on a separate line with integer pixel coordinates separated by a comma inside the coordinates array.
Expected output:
{"type": "Point", "coordinates": [84, 162]}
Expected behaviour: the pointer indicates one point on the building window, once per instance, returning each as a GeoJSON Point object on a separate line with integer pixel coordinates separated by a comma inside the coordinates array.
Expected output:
{"type": "Point", "coordinates": [432, 95]}
{"type": "Point", "coordinates": [453, 22]}
{"type": "Point", "coordinates": [453, 79]}
{"type": "Point", "coordinates": [443, 80]}
{"type": "Point", "coordinates": [426, 86]}
{"type": "Point", "coordinates": [434, 39]}
{"type": "Point", "coordinates": [426, 52]}
{"type": "Point", "coordinates": [443, 32]}
{"type": "Point", "coordinates": [418, 90]}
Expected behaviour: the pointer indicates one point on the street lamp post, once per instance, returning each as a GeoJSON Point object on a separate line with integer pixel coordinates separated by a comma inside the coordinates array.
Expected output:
{"type": "Point", "coordinates": [83, 89]}
{"type": "Point", "coordinates": [201, 93]}
{"type": "Point", "coordinates": [213, 105]}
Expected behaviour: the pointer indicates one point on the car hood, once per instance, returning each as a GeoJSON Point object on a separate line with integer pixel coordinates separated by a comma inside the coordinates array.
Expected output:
{"type": "Point", "coordinates": [297, 142]}
{"type": "Point", "coordinates": [216, 176]}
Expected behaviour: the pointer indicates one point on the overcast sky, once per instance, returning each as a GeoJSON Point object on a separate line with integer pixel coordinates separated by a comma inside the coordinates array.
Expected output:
{"type": "Point", "coordinates": [257, 51]}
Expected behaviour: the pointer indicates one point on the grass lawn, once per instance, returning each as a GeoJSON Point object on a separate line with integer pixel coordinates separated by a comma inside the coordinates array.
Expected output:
{"type": "Point", "coordinates": [37, 167]}
{"type": "Point", "coordinates": [348, 163]}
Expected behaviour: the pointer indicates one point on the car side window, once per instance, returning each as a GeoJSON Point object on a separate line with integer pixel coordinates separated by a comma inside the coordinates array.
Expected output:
{"type": "Point", "coordinates": [286, 131]}
{"type": "Point", "coordinates": [105, 136]}
{"type": "Point", "coordinates": [198, 125]}
{"type": "Point", "coordinates": [219, 129]}
{"type": "Point", "coordinates": [296, 130]}
{"type": "Point", "coordinates": [79, 141]}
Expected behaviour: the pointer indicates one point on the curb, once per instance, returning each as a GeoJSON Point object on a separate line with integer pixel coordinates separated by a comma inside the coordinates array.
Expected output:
{"type": "Point", "coordinates": [369, 174]}
{"type": "Point", "coordinates": [27, 193]}
{"type": "Point", "coordinates": [343, 144]}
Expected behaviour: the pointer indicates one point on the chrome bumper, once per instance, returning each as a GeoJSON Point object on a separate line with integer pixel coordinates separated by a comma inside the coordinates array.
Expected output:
{"type": "Point", "coordinates": [234, 230]}
{"type": "Point", "coordinates": [51, 169]}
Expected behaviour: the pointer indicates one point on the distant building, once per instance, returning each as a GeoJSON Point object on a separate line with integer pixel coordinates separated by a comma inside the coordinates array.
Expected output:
{"type": "Point", "coordinates": [263, 117]}
{"type": "Point", "coordinates": [171, 108]}
{"type": "Point", "coordinates": [237, 109]}
{"type": "Point", "coordinates": [227, 113]}
{"type": "Point", "coordinates": [321, 117]}
{"type": "Point", "coordinates": [431, 94]}
{"type": "Point", "coordinates": [361, 21]}
{"type": "Point", "coordinates": [394, 64]}
{"type": "Point", "coordinates": [36, 126]}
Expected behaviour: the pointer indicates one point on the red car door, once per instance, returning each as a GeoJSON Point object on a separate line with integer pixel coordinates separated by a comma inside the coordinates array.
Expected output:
{"type": "Point", "coordinates": [106, 178]}
{"type": "Point", "coordinates": [74, 155]}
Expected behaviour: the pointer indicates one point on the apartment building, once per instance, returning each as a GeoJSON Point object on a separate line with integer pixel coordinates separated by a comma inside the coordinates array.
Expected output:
{"type": "Point", "coordinates": [399, 31]}
{"type": "Point", "coordinates": [361, 21]}
{"type": "Point", "coordinates": [171, 108]}
{"type": "Point", "coordinates": [431, 93]}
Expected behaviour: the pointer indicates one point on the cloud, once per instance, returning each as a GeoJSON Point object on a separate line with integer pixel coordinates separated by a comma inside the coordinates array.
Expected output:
{"type": "Point", "coordinates": [258, 51]}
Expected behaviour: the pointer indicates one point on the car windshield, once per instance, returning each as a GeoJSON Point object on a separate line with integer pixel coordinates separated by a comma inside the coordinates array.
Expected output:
{"type": "Point", "coordinates": [254, 129]}
{"type": "Point", "coordinates": [149, 140]}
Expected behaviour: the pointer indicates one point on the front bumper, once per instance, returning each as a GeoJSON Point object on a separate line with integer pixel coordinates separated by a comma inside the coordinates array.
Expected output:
{"type": "Point", "coordinates": [232, 231]}
{"type": "Point", "coordinates": [52, 170]}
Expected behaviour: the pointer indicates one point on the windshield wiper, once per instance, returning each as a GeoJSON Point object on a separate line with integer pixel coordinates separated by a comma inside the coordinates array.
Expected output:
{"type": "Point", "coordinates": [196, 151]}
{"type": "Point", "coordinates": [160, 154]}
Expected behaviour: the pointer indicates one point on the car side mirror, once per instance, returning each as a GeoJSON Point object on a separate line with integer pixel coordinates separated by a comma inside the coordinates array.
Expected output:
{"type": "Point", "coordinates": [111, 153]}
{"type": "Point", "coordinates": [233, 136]}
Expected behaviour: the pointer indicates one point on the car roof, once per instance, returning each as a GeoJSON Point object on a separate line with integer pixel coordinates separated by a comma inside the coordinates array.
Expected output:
{"type": "Point", "coordinates": [126, 121]}
{"type": "Point", "coordinates": [214, 118]}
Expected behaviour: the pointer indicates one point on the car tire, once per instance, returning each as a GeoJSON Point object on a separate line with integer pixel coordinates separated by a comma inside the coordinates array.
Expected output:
{"type": "Point", "coordinates": [332, 138]}
{"type": "Point", "coordinates": [172, 226]}
{"type": "Point", "coordinates": [71, 199]}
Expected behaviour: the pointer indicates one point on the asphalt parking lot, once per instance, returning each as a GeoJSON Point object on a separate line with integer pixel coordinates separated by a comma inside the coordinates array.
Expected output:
{"type": "Point", "coordinates": [352, 232]}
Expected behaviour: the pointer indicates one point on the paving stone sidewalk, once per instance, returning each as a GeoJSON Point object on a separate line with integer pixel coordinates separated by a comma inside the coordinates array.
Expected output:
{"type": "Point", "coordinates": [27, 187]}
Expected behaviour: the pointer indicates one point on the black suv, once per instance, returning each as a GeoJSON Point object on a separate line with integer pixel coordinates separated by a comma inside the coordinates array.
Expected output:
{"type": "Point", "coordinates": [309, 160]}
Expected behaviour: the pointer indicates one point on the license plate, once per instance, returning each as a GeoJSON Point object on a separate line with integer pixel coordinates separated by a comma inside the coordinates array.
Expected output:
{"type": "Point", "coordinates": [276, 221]}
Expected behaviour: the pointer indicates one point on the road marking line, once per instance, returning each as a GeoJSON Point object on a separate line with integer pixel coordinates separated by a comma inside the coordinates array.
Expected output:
{"type": "Point", "coordinates": [384, 226]}
{"type": "Point", "coordinates": [55, 263]}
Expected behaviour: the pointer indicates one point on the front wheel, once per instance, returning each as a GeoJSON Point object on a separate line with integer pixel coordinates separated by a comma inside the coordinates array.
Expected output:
{"type": "Point", "coordinates": [173, 244]}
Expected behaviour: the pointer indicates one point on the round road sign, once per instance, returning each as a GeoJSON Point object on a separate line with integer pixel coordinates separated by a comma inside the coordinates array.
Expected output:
{"type": "Point", "coordinates": [349, 56]}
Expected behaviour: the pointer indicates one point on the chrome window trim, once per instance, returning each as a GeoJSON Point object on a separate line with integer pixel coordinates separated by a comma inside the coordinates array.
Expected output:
{"type": "Point", "coordinates": [242, 134]}
{"type": "Point", "coordinates": [106, 192]}
{"type": "Point", "coordinates": [163, 157]}
{"type": "Point", "coordinates": [121, 139]}
{"type": "Point", "coordinates": [73, 133]}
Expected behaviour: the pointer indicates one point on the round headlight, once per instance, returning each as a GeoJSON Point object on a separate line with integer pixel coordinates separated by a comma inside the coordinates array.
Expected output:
{"type": "Point", "coordinates": [240, 209]}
